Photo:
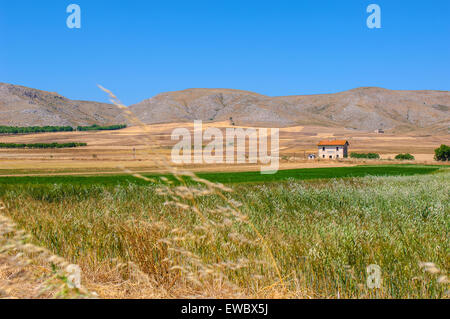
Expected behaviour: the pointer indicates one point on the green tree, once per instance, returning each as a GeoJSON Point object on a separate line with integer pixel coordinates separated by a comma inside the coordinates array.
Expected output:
{"type": "Point", "coordinates": [442, 153]}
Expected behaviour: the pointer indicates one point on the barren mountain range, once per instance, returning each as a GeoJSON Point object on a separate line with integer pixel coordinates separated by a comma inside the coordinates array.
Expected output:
{"type": "Point", "coordinates": [361, 109]}
{"type": "Point", "coordinates": [22, 106]}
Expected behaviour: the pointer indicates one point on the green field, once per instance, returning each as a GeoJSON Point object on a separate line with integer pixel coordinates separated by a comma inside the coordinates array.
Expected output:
{"type": "Point", "coordinates": [294, 237]}
{"type": "Point", "coordinates": [239, 177]}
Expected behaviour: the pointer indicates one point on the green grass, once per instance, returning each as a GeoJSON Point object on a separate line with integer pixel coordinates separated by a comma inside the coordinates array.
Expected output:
{"type": "Point", "coordinates": [319, 173]}
{"type": "Point", "coordinates": [239, 177]}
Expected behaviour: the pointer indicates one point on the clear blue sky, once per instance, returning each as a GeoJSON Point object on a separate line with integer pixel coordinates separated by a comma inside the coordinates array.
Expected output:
{"type": "Point", "coordinates": [141, 48]}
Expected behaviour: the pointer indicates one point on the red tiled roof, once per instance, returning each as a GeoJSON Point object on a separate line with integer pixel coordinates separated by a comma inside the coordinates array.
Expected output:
{"type": "Point", "coordinates": [333, 143]}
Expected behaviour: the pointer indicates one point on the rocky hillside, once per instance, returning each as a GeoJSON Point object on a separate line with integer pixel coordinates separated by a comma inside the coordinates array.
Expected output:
{"type": "Point", "coordinates": [361, 109]}
{"type": "Point", "coordinates": [22, 106]}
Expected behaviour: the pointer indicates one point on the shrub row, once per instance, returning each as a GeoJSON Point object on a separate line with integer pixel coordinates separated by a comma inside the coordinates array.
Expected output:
{"type": "Point", "coordinates": [34, 129]}
{"type": "Point", "coordinates": [96, 127]}
{"type": "Point", "coordinates": [406, 156]}
{"type": "Point", "coordinates": [42, 145]}
{"type": "Point", "coordinates": [45, 129]}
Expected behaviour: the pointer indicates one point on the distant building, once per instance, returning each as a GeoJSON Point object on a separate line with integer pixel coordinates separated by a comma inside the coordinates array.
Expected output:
{"type": "Point", "coordinates": [312, 156]}
{"type": "Point", "coordinates": [333, 149]}
{"type": "Point", "coordinates": [379, 131]}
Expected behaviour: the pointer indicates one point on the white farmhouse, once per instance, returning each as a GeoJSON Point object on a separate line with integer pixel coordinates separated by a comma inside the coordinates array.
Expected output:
{"type": "Point", "coordinates": [333, 149]}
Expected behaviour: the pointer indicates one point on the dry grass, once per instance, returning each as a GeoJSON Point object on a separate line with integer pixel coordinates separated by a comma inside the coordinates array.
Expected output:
{"type": "Point", "coordinates": [151, 242]}
{"type": "Point", "coordinates": [31, 271]}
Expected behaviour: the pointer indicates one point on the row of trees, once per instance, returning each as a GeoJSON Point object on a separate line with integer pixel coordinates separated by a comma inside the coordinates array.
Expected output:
{"type": "Point", "coordinates": [42, 145]}
{"type": "Point", "coordinates": [96, 127]}
{"type": "Point", "coordinates": [46, 129]}
{"type": "Point", "coordinates": [34, 129]}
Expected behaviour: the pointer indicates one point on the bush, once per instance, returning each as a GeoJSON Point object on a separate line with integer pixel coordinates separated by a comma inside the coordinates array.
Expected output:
{"type": "Point", "coordinates": [407, 157]}
{"type": "Point", "coordinates": [442, 153]}
{"type": "Point", "coordinates": [365, 155]}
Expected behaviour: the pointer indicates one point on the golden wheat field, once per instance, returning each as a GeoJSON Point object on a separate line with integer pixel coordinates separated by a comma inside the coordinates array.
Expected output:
{"type": "Point", "coordinates": [291, 239]}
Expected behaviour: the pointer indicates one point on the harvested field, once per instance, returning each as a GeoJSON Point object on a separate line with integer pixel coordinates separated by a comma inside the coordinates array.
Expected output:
{"type": "Point", "coordinates": [108, 150]}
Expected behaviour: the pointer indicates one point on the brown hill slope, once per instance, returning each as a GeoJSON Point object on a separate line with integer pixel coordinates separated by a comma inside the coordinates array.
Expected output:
{"type": "Point", "coordinates": [22, 106]}
{"type": "Point", "coordinates": [362, 108]}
